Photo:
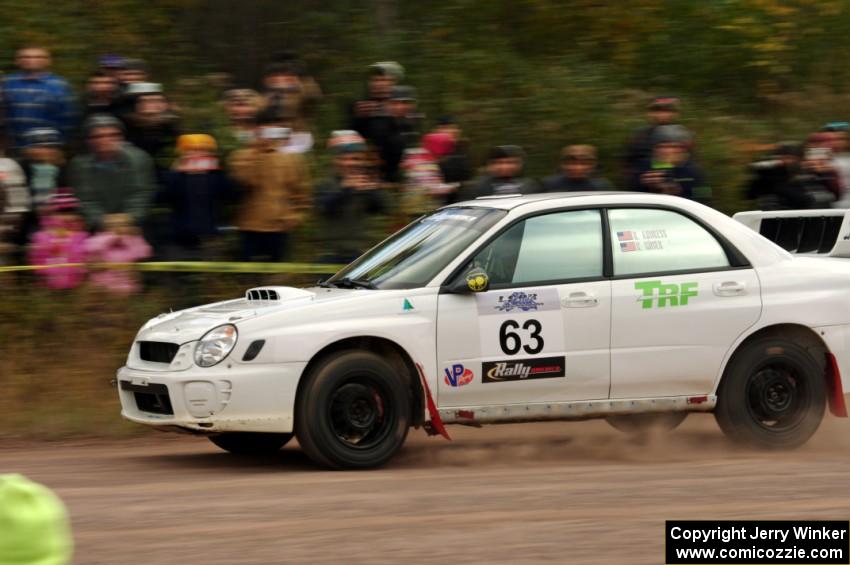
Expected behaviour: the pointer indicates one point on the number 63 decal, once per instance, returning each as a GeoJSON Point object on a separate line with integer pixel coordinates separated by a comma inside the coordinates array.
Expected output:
{"type": "Point", "coordinates": [511, 342]}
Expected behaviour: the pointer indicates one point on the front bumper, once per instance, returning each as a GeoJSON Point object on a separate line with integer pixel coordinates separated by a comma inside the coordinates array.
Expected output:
{"type": "Point", "coordinates": [257, 398]}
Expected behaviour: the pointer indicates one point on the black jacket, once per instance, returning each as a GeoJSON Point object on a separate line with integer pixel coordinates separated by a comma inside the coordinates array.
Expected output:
{"type": "Point", "coordinates": [560, 183]}
{"type": "Point", "coordinates": [489, 185]}
{"type": "Point", "coordinates": [196, 201]}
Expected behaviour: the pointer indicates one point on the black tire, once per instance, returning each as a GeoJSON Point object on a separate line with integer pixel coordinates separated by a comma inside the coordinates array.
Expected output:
{"type": "Point", "coordinates": [772, 395]}
{"type": "Point", "coordinates": [250, 443]}
{"type": "Point", "coordinates": [640, 424]}
{"type": "Point", "coordinates": [352, 412]}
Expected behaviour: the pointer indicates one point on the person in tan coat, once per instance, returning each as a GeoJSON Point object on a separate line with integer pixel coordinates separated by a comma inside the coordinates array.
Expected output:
{"type": "Point", "coordinates": [277, 195]}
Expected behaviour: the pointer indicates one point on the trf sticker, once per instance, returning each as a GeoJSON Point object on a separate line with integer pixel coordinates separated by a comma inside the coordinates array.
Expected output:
{"type": "Point", "coordinates": [665, 294]}
{"type": "Point", "coordinates": [407, 306]}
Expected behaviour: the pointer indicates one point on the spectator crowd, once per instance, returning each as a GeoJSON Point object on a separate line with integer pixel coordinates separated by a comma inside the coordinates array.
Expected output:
{"type": "Point", "coordinates": [111, 176]}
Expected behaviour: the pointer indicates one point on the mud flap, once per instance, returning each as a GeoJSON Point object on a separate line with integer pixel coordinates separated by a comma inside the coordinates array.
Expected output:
{"type": "Point", "coordinates": [435, 426]}
{"type": "Point", "coordinates": [834, 388]}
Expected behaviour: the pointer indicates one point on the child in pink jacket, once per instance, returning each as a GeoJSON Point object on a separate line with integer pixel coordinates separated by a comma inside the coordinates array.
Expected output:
{"type": "Point", "coordinates": [120, 242]}
{"type": "Point", "coordinates": [60, 239]}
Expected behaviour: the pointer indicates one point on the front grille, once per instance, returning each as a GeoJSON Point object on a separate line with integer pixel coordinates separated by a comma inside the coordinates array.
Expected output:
{"type": "Point", "coordinates": [157, 351]}
{"type": "Point", "coordinates": [151, 398]}
{"type": "Point", "coordinates": [803, 235]}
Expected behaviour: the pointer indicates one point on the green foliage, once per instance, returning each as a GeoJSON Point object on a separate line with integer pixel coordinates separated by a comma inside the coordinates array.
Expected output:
{"type": "Point", "coordinates": [534, 72]}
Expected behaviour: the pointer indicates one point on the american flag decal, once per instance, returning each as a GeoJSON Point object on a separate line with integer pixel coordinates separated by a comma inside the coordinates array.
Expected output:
{"type": "Point", "coordinates": [628, 246]}
{"type": "Point", "coordinates": [626, 235]}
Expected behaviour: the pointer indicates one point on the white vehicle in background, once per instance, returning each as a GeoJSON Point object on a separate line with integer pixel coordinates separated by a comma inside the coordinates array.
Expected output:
{"type": "Point", "coordinates": [637, 308]}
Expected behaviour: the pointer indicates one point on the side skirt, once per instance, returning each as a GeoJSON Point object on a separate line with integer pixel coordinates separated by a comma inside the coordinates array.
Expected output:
{"type": "Point", "coordinates": [574, 410]}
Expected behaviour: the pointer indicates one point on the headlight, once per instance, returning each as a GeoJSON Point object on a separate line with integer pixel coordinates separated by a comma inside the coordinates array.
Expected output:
{"type": "Point", "coordinates": [215, 345]}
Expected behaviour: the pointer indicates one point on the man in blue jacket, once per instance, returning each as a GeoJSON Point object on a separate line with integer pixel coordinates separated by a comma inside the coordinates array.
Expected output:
{"type": "Point", "coordinates": [35, 98]}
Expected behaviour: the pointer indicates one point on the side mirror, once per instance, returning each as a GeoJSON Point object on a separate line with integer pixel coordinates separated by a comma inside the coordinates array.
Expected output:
{"type": "Point", "coordinates": [475, 280]}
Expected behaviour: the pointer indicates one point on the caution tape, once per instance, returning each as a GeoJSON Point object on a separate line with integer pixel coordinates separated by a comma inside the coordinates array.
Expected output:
{"type": "Point", "coordinates": [192, 267]}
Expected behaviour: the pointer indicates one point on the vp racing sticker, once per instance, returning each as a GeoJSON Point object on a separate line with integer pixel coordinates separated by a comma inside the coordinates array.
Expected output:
{"type": "Point", "coordinates": [458, 375]}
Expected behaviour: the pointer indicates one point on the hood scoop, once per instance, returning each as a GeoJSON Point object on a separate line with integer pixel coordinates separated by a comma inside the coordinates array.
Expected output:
{"type": "Point", "coordinates": [276, 294]}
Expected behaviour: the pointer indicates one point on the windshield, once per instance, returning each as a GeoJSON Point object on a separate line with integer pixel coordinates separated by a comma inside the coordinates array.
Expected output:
{"type": "Point", "coordinates": [412, 257]}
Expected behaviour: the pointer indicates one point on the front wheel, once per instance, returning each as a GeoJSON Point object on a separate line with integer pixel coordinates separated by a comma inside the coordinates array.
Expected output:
{"type": "Point", "coordinates": [353, 411]}
{"type": "Point", "coordinates": [773, 395]}
{"type": "Point", "coordinates": [250, 443]}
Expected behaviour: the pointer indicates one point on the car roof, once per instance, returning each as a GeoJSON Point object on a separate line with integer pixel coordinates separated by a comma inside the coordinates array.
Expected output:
{"type": "Point", "coordinates": [511, 201]}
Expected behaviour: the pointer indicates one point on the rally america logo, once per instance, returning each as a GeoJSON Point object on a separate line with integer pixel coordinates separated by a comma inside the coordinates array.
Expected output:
{"type": "Point", "coordinates": [521, 300]}
{"type": "Point", "coordinates": [458, 375]}
{"type": "Point", "coordinates": [524, 369]}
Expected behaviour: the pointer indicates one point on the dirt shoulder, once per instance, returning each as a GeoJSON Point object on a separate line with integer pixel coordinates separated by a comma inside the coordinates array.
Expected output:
{"type": "Point", "coordinates": [560, 492]}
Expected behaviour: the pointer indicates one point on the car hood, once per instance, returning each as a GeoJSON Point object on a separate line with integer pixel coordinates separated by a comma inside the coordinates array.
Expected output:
{"type": "Point", "coordinates": [191, 324]}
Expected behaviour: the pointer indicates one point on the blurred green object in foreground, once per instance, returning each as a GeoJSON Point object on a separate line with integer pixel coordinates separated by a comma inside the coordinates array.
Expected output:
{"type": "Point", "coordinates": [34, 527]}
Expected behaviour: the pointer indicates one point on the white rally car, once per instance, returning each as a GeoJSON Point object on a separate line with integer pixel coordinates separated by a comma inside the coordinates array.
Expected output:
{"type": "Point", "coordinates": [638, 308]}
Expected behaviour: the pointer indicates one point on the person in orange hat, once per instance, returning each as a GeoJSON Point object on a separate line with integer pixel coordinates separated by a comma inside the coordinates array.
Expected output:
{"type": "Point", "coordinates": [196, 191]}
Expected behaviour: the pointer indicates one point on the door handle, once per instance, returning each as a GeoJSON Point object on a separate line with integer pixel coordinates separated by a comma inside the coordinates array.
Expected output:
{"type": "Point", "coordinates": [730, 288]}
{"type": "Point", "coordinates": [579, 299]}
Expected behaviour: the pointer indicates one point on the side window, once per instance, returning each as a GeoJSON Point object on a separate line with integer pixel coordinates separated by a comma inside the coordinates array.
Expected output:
{"type": "Point", "coordinates": [549, 248]}
{"type": "Point", "coordinates": [650, 241]}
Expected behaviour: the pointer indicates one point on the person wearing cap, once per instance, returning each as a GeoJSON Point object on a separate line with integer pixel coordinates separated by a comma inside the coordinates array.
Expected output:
{"type": "Point", "coordinates": [382, 78]}
{"type": "Point", "coordinates": [287, 86]}
{"type": "Point", "coordinates": [242, 108]}
{"type": "Point", "coordinates": [349, 200]}
{"type": "Point", "coordinates": [670, 169]}
{"type": "Point", "coordinates": [152, 126]}
{"type": "Point", "coordinates": [44, 165]}
{"type": "Point", "coordinates": [196, 191]}
{"type": "Point", "coordinates": [449, 147]}
{"type": "Point", "coordinates": [34, 524]}
{"type": "Point", "coordinates": [578, 171]}
{"type": "Point", "coordinates": [397, 133]}
{"type": "Point", "coordinates": [298, 140]}
{"type": "Point", "coordinates": [34, 97]}
{"type": "Point", "coordinates": [112, 177]}
{"type": "Point", "coordinates": [782, 182]}
{"type": "Point", "coordinates": [275, 195]}
{"type": "Point", "coordinates": [835, 138]}
{"type": "Point", "coordinates": [111, 65]}
{"type": "Point", "coordinates": [60, 238]}
{"type": "Point", "coordinates": [101, 94]}
{"type": "Point", "coordinates": [131, 73]}
{"type": "Point", "coordinates": [15, 206]}
{"type": "Point", "coordinates": [505, 164]}
{"type": "Point", "coordinates": [43, 162]}
{"type": "Point", "coordinates": [662, 111]}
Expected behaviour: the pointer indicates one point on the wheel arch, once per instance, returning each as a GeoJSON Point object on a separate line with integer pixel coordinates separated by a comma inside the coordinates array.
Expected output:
{"type": "Point", "coordinates": [812, 342]}
{"type": "Point", "coordinates": [389, 350]}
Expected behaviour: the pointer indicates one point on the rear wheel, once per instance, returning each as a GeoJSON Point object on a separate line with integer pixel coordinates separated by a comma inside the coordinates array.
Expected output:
{"type": "Point", "coordinates": [639, 424]}
{"type": "Point", "coordinates": [773, 395]}
{"type": "Point", "coordinates": [250, 443]}
{"type": "Point", "coordinates": [353, 411]}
